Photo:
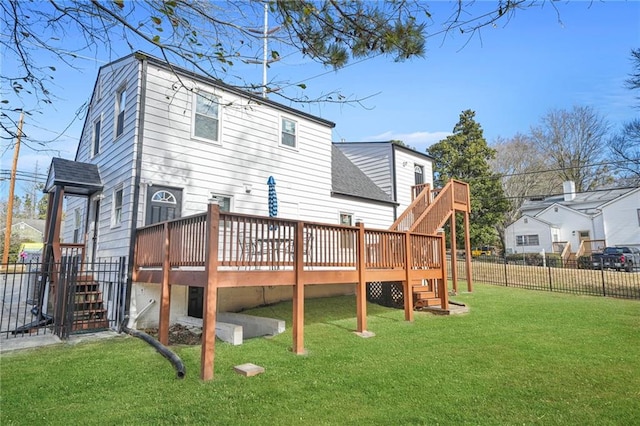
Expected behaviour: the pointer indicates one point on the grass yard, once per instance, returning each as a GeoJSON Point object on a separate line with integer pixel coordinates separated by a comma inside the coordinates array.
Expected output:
{"type": "Point", "coordinates": [519, 357]}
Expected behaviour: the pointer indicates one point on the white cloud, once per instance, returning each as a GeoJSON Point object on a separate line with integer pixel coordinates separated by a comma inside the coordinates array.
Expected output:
{"type": "Point", "coordinates": [418, 140]}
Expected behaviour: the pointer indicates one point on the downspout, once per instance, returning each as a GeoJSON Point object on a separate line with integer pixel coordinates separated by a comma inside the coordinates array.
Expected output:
{"type": "Point", "coordinates": [393, 182]}
{"type": "Point", "coordinates": [136, 186]}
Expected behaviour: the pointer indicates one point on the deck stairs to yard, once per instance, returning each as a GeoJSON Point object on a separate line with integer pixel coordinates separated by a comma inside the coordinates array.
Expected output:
{"type": "Point", "coordinates": [89, 312]}
{"type": "Point", "coordinates": [428, 212]}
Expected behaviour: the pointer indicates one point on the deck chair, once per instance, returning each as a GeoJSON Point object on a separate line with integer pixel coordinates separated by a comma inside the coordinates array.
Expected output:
{"type": "Point", "coordinates": [246, 250]}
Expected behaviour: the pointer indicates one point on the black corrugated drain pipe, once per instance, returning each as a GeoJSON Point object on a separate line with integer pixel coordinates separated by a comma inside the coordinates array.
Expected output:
{"type": "Point", "coordinates": [164, 351]}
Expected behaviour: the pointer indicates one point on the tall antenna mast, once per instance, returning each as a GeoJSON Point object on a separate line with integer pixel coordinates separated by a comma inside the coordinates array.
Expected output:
{"type": "Point", "coordinates": [265, 44]}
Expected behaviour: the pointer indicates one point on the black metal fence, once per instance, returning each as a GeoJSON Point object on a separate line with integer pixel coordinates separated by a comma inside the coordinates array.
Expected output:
{"type": "Point", "coordinates": [85, 297]}
{"type": "Point", "coordinates": [568, 277]}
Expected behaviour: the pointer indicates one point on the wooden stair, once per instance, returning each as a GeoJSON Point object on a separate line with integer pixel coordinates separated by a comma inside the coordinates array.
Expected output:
{"type": "Point", "coordinates": [424, 296]}
{"type": "Point", "coordinates": [88, 312]}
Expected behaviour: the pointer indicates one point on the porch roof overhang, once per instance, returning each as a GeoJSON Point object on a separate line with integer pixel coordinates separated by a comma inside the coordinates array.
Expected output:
{"type": "Point", "coordinates": [74, 177]}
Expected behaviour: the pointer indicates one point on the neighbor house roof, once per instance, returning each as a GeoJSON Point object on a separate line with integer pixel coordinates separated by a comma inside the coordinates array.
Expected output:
{"type": "Point", "coordinates": [582, 201]}
{"type": "Point", "coordinates": [349, 180]}
{"type": "Point", "coordinates": [37, 224]}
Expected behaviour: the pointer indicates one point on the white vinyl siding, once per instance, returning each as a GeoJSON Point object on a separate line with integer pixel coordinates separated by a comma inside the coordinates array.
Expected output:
{"type": "Point", "coordinates": [206, 117]}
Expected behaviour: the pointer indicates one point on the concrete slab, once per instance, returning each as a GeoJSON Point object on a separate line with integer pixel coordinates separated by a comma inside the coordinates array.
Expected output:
{"type": "Point", "coordinates": [253, 326]}
{"type": "Point", "coordinates": [248, 369]}
{"type": "Point", "coordinates": [227, 332]}
{"type": "Point", "coordinates": [365, 334]}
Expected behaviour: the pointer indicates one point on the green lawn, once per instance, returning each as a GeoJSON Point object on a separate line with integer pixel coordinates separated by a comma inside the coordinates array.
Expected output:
{"type": "Point", "coordinates": [519, 357]}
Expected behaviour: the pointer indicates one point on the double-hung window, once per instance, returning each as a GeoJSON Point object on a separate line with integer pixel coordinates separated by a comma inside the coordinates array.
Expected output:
{"type": "Point", "coordinates": [527, 240]}
{"type": "Point", "coordinates": [121, 101]}
{"type": "Point", "coordinates": [346, 239]}
{"type": "Point", "coordinates": [289, 133]}
{"type": "Point", "coordinates": [116, 217]}
{"type": "Point", "coordinates": [95, 142]}
{"type": "Point", "coordinates": [206, 117]}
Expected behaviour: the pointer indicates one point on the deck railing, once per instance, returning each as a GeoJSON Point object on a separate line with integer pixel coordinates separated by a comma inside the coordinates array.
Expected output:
{"type": "Point", "coordinates": [247, 242]}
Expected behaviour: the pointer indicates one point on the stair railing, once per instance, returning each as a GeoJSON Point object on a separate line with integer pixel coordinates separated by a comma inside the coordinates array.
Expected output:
{"type": "Point", "coordinates": [419, 204]}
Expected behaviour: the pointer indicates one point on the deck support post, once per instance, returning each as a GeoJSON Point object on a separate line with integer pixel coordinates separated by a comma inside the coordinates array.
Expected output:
{"type": "Point", "coordinates": [407, 287]}
{"type": "Point", "coordinates": [443, 290]}
{"type": "Point", "coordinates": [454, 253]}
{"type": "Point", "coordinates": [210, 293]}
{"type": "Point", "coordinates": [467, 242]}
{"type": "Point", "coordinates": [298, 291]}
{"type": "Point", "coordinates": [165, 291]}
{"type": "Point", "coordinates": [361, 286]}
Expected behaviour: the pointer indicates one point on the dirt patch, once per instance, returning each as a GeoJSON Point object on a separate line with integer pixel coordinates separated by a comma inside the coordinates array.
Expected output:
{"type": "Point", "coordinates": [180, 335]}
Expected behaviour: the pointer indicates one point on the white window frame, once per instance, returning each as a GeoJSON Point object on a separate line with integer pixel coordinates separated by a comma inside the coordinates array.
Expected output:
{"type": "Point", "coordinates": [116, 208]}
{"type": "Point", "coordinates": [120, 111]}
{"type": "Point", "coordinates": [207, 96]}
{"type": "Point", "coordinates": [95, 152]}
{"type": "Point", "coordinates": [527, 240]}
{"type": "Point", "coordinates": [77, 224]}
{"type": "Point", "coordinates": [219, 197]}
{"type": "Point", "coordinates": [418, 169]}
{"type": "Point", "coordinates": [282, 132]}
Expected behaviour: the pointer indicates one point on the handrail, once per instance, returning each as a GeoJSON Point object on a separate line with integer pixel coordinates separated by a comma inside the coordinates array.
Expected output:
{"type": "Point", "coordinates": [566, 252]}
{"type": "Point", "coordinates": [415, 209]}
{"type": "Point", "coordinates": [581, 249]}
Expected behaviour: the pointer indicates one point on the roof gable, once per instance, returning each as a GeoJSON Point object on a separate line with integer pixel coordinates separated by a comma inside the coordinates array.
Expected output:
{"type": "Point", "coordinates": [348, 179]}
{"type": "Point", "coordinates": [560, 206]}
{"type": "Point", "coordinates": [615, 200]}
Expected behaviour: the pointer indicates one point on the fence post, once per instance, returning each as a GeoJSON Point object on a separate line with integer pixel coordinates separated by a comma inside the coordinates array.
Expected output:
{"type": "Point", "coordinates": [604, 286]}
{"type": "Point", "coordinates": [506, 280]}
{"type": "Point", "coordinates": [550, 281]}
{"type": "Point", "coordinates": [207, 353]}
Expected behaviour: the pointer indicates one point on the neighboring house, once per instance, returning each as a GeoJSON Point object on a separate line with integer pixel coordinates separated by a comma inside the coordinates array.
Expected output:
{"type": "Point", "coordinates": [166, 142]}
{"type": "Point", "coordinates": [28, 229]}
{"type": "Point", "coordinates": [612, 216]}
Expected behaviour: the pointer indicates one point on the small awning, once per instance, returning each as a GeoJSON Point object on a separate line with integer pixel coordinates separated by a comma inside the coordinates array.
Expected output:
{"type": "Point", "coordinates": [74, 177]}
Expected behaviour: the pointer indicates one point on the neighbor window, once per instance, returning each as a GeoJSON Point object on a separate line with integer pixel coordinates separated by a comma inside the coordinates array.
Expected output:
{"type": "Point", "coordinates": [95, 143]}
{"type": "Point", "coordinates": [116, 218]}
{"type": "Point", "coordinates": [418, 171]}
{"type": "Point", "coordinates": [121, 101]}
{"type": "Point", "coordinates": [289, 133]}
{"type": "Point", "coordinates": [527, 240]}
{"type": "Point", "coordinates": [206, 121]}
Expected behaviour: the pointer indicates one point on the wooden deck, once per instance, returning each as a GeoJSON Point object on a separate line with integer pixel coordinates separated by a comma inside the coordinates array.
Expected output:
{"type": "Point", "coordinates": [217, 250]}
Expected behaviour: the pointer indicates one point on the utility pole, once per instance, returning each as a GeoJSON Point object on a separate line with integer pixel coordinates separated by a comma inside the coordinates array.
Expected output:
{"type": "Point", "coordinates": [12, 184]}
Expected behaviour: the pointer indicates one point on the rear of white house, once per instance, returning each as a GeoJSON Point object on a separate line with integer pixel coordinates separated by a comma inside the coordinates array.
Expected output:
{"type": "Point", "coordinates": [167, 142]}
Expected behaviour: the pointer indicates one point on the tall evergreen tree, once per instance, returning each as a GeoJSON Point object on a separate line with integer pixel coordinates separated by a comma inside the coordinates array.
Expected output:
{"type": "Point", "coordinates": [465, 155]}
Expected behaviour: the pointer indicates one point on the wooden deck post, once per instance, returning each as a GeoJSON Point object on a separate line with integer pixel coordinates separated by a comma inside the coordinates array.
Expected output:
{"type": "Point", "coordinates": [361, 286]}
{"type": "Point", "coordinates": [165, 291]}
{"type": "Point", "coordinates": [454, 254]}
{"type": "Point", "coordinates": [407, 286]}
{"type": "Point", "coordinates": [443, 287]}
{"type": "Point", "coordinates": [207, 354]}
{"type": "Point", "coordinates": [467, 242]}
{"type": "Point", "coordinates": [298, 291]}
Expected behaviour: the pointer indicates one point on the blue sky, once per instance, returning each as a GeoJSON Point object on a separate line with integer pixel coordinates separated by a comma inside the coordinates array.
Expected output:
{"type": "Point", "coordinates": [510, 74]}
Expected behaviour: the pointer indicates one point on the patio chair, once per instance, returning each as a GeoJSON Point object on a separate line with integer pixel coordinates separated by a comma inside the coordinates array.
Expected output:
{"type": "Point", "coordinates": [246, 250]}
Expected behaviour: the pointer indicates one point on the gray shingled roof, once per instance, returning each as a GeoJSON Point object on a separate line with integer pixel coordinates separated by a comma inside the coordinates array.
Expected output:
{"type": "Point", "coordinates": [77, 178]}
{"type": "Point", "coordinates": [348, 179]}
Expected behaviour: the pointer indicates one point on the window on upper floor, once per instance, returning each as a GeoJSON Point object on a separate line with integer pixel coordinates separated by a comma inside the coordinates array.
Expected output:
{"type": "Point", "coordinates": [116, 216]}
{"type": "Point", "coordinates": [418, 171]}
{"type": "Point", "coordinates": [121, 102]}
{"type": "Point", "coordinates": [206, 117]}
{"type": "Point", "coordinates": [95, 138]}
{"type": "Point", "coordinates": [289, 133]}
{"type": "Point", "coordinates": [527, 240]}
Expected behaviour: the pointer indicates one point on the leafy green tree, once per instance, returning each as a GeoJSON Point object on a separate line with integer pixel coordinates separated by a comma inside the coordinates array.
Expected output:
{"type": "Point", "coordinates": [465, 155]}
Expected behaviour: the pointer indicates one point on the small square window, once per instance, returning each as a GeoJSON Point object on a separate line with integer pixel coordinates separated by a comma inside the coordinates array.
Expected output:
{"type": "Point", "coordinates": [289, 135]}
{"type": "Point", "coordinates": [206, 117]}
{"type": "Point", "coordinates": [223, 201]}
